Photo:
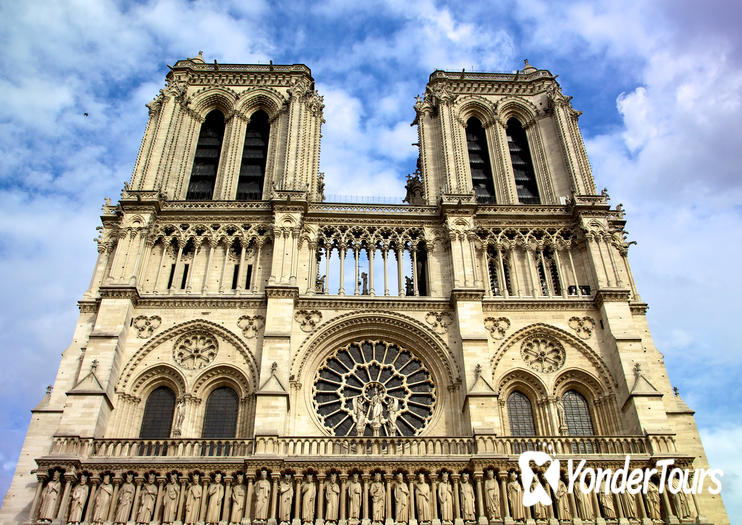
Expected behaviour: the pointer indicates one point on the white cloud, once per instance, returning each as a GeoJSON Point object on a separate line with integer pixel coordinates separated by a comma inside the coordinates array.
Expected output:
{"type": "Point", "coordinates": [722, 449]}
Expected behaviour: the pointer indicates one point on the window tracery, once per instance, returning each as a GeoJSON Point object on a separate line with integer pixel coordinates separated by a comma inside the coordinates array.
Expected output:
{"type": "Point", "coordinates": [543, 354]}
{"type": "Point", "coordinates": [195, 350]}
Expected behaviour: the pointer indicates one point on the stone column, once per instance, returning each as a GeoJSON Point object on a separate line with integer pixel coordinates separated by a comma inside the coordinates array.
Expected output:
{"type": "Point", "coordinates": [415, 285]}
{"type": "Point", "coordinates": [248, 498]}
{"type": "Point", "coordinates": [434, 498]}
{"type": "Point", "coordinates": [34, 513]}
{"type": "Point", "coordinates": [411, 501]}
{"type": "Point", "coordinates": [297, 498]}
{"type": "Point", "coordinates": [69, 480]}
{"type": "Point", "coordinates": [456, 500]}
{"type": "Point", "coordinates": [135, 505]}
{"type": "Point", "coordinates": [341, 290]}
{"type": "Point", "coordinates": [480, 502]}
{"type": "Point", "coordinates": [366, 477]}
{"type": "Point", "coordinates": [91, 499]}
{"type": "Point", "coordinates": [273, 517]}
{"type": "Point", "coordinates": [371, 252]}
{"type": "Point", "coordinates": [112, 509]}
{"type": "Point", "coordinates": [181, 498]}
{"type": "Point", "coordinates": [503, 476]}
{"type": "Point", "coordinates": [227, 496]}
{"type": "Point", "coordinates": [204, 498]}
{"type": "Point", "coordinates": [384, 254]}
{"type": "Point", "coordinates": [355, 259]}
{"type": "Point", "coordinates": [400, 273]}
{"type": "Point", "coordinates": [157, 514]}
{"type": "Point", "coordinates": [320, 498]}
{"type": "Point", "coordinates": [388, 482]}
{"type": "Point", "coordinates": [343, 498]}
{"type": "Point", "coordinates": [669, 516]}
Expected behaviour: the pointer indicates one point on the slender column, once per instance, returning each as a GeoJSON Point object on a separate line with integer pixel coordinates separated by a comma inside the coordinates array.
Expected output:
{"type": "Point", "coordinates": [480, 506]}
{"type": "Point", "coordinates": [91, 499]}
{"type": "Point", "coordinates": [227, 248]}
{"type": "Point", "coordinates": [365, 479]}
{"type": "Point", "coordinates": [320, 496]}
{"type": "Point", "coordinates": [669, 516]}
{"type": "Point", "coordinates": [255, 269]}
{"type": "Point", "coordinates": [135, 505]}
{"type": "Point", "coordinates": [602, 261]}
{"type": "Point", "coordinates": [574, 273]}
{"type": "Point", "coordinates": [204, 498]}
{"type": "Point", "coordinates": [189, 279]}
{"type": "Point", "coordinates": [596, 506]}
{"type": "Point", "coordinates": [530, 267]}
{"type": "Point", "coordinates": [274, 495]}
{"type": "Point", "coordinates": [312, 274]}
{"type": "Point", "coordinates": [572, 505]}
{"type": "Point", "coordinates": [129, 241]}
{"type": "Point", "coordinates": [181, 497]}
{"type": "Point", "coordinates": [248, 497]}
{"type": "Point", "coordinates": [434, 495]}
{"type": "Point", "coordinates": [34, 513]}
{"type": "Point", "coordinates": [504, 495]}
{"type": "Point", "coordinates": [609, 249]}
{"type": "Point", "coordinates": [473, 258]}
{"type": "Point", "coordinates": [625, 259]}
{"type": "Point", "coordinates": [411, 502]}
{"type": "Point", "coordinates": [560, 276]}
{"type": "Point", "coordinates": [143, 261]}
{"type": "Point", "coordinates": [328, 254]}
{"type": "Point", "coordinates": [227, 498]}
{"type": "Point", "coordinates": [515, 272]}
{"type": "Point", "coordinates": [547, 274]}
{"type": "Point", "coordinates": [205, 283]}
{"type": "Point", "coordinates": [386, 275]}
{"type": "Point", "coordinates": [177, 262]}
{"type": "Point", "coordinates": [504, 281]}
{"type": "Point", "coordinates": [460, 240]}
{"type": "Point", "coordinates": [297, 497]}
{"type": "Point", "coordinates": [294, 247]}
{"type": "Point", "coordinates": [112, 509]}
{"type": "Point", "coordinates": [486, 273]}
{"type": "Point", "coordinates": [355, 258]}
{"type": "Point", "coordinates": [341, 290]}
{"type": "Point", "coordinates": [400, 279]}
{"type": "Point", "coordinates": [241, 270]}
{"type": "Point", "coordinates": [388, 482]}
{"type": "Point", "coordinates": [415, 285]}
{"type": "Point", "coordinates": [343, 485]}
{"type": "Point", "coordinates": [456, 497]}
{"type": "Point", "coordinates": [371, 252]}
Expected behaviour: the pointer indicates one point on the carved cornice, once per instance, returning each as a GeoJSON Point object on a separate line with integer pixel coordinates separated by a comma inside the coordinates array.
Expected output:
{"type": "Point", "coordinates": [281, 291]}
{"type": "Point", "coordinates": [611, 296]}
{"type": "Point", "coordinates": [217, 302]}
{"type": "Point", "coordinates": [362, 302]}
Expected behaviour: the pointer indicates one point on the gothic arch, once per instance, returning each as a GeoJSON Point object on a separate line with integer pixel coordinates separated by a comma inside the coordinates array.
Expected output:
{"type": "Point", "coordinates": [511, 107]}
{"type": "Point", "coordinates": [265, 98]}
{"type": "Point", "coordinates": [580, 380]}
{"type": "Point", "coordinates": [540, 328]}
{"type": "Point", "coordinates": [478, 107]}
{"type": "Point", "coordinates": [524, 381]}
{"type": "Point", "coordinates": [156, 376]}
{"type": "Point", "coordinates": [221, 375]}
{"type": "Point", "coordinates": [174, 332]}
{"type": "Point", "coordinates": [210, 98]}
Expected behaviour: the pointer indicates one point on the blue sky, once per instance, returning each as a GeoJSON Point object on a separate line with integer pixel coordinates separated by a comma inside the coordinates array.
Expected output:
{"type": "Point", "coordinates": [659, 83]}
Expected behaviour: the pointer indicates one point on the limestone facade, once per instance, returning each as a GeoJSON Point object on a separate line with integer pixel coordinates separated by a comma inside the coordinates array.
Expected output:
{"type": "Point", "coordinates": [227, 367]}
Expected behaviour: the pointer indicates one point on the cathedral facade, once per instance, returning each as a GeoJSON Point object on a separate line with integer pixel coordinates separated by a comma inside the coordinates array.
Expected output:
{"type": "Point", "coordinates": [248, 353]}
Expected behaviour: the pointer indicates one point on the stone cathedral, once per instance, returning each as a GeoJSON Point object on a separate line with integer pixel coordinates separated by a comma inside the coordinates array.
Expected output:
{"type": "Point", "coordinates": [249, 353]}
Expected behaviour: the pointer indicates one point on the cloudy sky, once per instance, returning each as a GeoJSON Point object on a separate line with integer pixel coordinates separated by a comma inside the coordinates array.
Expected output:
{"type": "Point", "coordinates": [659, 83]}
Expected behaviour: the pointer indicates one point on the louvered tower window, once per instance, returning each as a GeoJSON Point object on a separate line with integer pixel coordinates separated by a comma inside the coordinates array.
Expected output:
{"type": "Point", "coordinates": [220, 420]}
{"type": "Point", "coordinates": [479, 162]}
{"type": "Point", "coordinates": [577, 414]}
{"type": "Point", "coordinates": [520, 415]}
{"type": "Point", "coordinates": [520, 157]}
{"type": "Point", "coordinates": [254, 154]}
{"type": "Point", "coordinates": [158, 414]}
{"type": "Point", "coordinates": [206, 161]}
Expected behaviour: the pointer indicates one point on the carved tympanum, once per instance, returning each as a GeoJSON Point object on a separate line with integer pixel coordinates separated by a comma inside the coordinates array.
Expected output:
{"type": "Point", "coordinates": [497, 326]}
{"type": "Point", "coordinates": [584, 326]}
{"type": "Point", "coordinates": [146, 325]}
{"type": "Point", "coordinates": [439, 321]}
{"type": "Point", "coordinates": [308, 319]}
{"type": "Point", "coordinates": [250, 325]}
{"type": "Point", "coordinates": [543, 354]}
{"type": "Point", "coordinates": [195, 350]}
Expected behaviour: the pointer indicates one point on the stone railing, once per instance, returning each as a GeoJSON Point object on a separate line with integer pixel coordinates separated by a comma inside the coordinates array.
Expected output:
{"type": "Point", "coordinates": [339, 447]}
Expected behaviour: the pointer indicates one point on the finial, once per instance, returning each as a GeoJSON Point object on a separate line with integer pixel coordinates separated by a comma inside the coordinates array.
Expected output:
{"type": "Point", "coordinates": [274, 367]}
{"type": "Point", "coordinates": [637, 368]}
{"type": "Point", "coordinates": [525, 60]}
{"type": "Point", "coordinates": [477, 370]}
{"type": "Point", "coordinates": [49, 390]}
{"type": "Point", "coordinates": [676, 391]}
{"type": "Point", "coordinates": [200, 53]}
{"type": "Point", "coordinates": [94, 365]}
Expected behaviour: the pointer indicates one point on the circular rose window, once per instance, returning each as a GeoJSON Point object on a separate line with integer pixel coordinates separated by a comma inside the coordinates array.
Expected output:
{"type": "Point", "coordinates": [373, 388]}
{"type": "Point", "coordinates": [543, 354]}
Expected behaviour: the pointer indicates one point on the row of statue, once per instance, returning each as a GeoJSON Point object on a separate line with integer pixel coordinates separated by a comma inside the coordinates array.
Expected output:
{"type": "Point", "coordinates": [296, 499]}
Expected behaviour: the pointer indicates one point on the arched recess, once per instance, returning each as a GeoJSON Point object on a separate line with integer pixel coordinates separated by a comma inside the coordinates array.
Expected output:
{"type": "Point", "coordinates": [209, 98]}
{"type": "Point", "coordinates": [389, 327]}
{"type": "Point", "coordinates": [207, 157]}
{"type": "Point", "coordinates": [600, 399]}
{"type": "Point", "coordinates": [528, 384]}
{"type": "Point", "coordinates": [219, 376]}
{"type": "Point", "coordinates": [254, 155]}
{"type": "Point", "coordinates": [133, 364]}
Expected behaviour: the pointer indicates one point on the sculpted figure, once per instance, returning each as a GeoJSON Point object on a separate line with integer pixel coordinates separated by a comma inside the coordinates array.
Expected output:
{"type": "Point", "coordinates": [653, 501]}
{"type": "Point", "coordinates": [422, 499]}
{"type": "Point", "coordinates": [355, 490]}
{"type": "Point", "coordinates": [583, 503]}
{"type": "Point", "coordinates": [562, 503]}
{"type": "Point", "coordinates": [539, 511]}
{"type": "Point", "coordinates": [332, 498]}
{"type": "Point", "coordinates": [179, 417]}
{"type": "Point", "coordinates": [393, 408]}
{"type": "Point", "coordinates": [515, 498]}
{"type": "Point", "coordinates": [78, 499]}
{"type": "Point", "coordinates": [606, 501]}
{"type": "Point", "coordinates": [308, 494]}
{"type": "Point", "coordinates": [286, 489]}
{"type": "Point", "coordinates": [679, 500]}
{"type": "Point", "coordinates": [238, 500]}
{"type": "Point", "coordinates": [147, 499]}
{"type": "Point", "coordinates": [445, 498]}
{"type": "Point", "coordinates": [193, 501]}
{"type": "Point", "coordinates": [377, 499]}
{"type": "Point", "coordinates": [103, 500]}
{"type": "Point", "coordinates": [125, 500]}
{"type": "Point", "coordinates": [170, 499]}
{"type": "Point", "coordinates": [359, 415]}
{"type": "Point", "coordinates": [215, 495]}
{"type": "Point", "coordinates": [262, 496]}
{"type": "Point", "coordinates": [492, 495]}
{"type": "Point", "coordinates": [50, 497]}
{"type": "Point", "coordinates": [627, 504]}
{"type": "Point", "coordinates": [401, 499]}
{"type": "Point", "coordinates": [467, 498]}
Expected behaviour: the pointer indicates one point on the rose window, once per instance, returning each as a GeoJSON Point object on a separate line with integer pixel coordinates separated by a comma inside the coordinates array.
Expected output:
{"type": "Point", "coordinates": [195, 351]}
{"type": "Point", "coordinates": [543, 355]}
{"type": "Point", "coordinates": [372, 388]}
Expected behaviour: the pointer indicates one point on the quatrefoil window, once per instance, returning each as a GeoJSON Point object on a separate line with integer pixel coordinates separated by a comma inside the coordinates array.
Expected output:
{"type": "Point", "coordinates": [373, 388]}
{"type": "Point", "coordinates": [543, 354]}
{"type": "Point", "coordinates": [195, 350]}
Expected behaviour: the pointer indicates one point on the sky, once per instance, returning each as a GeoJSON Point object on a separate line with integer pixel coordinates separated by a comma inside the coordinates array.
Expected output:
{"type": "Point", "coordinates": [659, 83]}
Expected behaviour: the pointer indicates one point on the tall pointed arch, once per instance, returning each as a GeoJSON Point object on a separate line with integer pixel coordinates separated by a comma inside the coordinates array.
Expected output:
{"type": "Point", "coordinates": [206, 160]}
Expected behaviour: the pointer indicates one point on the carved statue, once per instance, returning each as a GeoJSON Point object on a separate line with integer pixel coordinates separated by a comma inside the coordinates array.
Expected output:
{"type": "Point", "coordinates": [653, 501]}
{"type": "Point", "coordinates": [364, 281]}
{"type": "Point", "coordinates": [606, 501]}
{"type": "Point", "coordinates": [377, 412]}
{"type": "Point", "coordinates": [286, 489]}
{"type": "Point", "coordinates": [50, 497]}
{"type": "Point", "coordinates": [147, 499]}
{"type": "Point", "coordinates": [355, 490]}
{"type": "Point", "coordinates": [238, 500]}
{"type": "Point", "coordinates": [170, 500]}
{"type": "Point", "coordinates": [539, 511]}
{"type": "Point", "coordinates": [422, 499]}
{"type": "Point", "coordinates": [193, 501]}
{"type": "Point", "coordinates": [679, 500]}
{"type": "Point", "coordinates": [125, 500]}
{"type": "Point", "coordinates": [332, 498]}
{"type": "Point", "coordinates": [627, 505]}
{"type": "Point", "coordinates": [359, 415]}
{"type": "Point", "coordinates": [179, 417]}
{"type": "Point", "coordinates": [409, 288]}
{"type": "Point", "coordinates": [445, 498]}
{"type": "Point", "coordinates": [467, 498]}
{"type": "Point", "coordinates": [308, 494]}
{"type": "Point", "coordinates": [393, 408]}
{"type": "Point", "coordinates": [377, 499]}
{"type": "Point", "coordinates": [262, 496]}
{"type": "Point", "coordinates": [401, 499]}
{"type": "Point", "coordinates": [583, 502]}
{"type": "Point", "coordinates": [492, 495]}
{"type": "Point", "coordinates": [319, 285]}
{"type": "Point", "coordinates": [563, 510]}
{"type": "Point", "coordinates": [103, 500]}
{"type": "Point", "coordinates": [560, 415]}
{"type": "Point", "coordinates": [79, 497]}
{"type": "Point", "coordinates": [515, 498]}
{"type": "Point", "coordinates": [215, 495]}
